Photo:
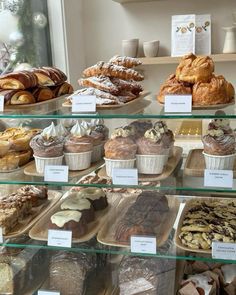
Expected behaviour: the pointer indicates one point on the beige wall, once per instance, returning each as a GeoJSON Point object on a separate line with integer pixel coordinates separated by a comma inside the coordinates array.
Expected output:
{"type": "Point", "coordinates": [106, 23]}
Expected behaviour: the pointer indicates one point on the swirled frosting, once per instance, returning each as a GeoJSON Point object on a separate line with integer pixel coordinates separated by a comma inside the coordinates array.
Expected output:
{"type": "Point", "coordinates": [87, 127]}
{"type": "Point", "coordinates": [49, 132]}
{"type": "Point", "coordinates": [61, 130]}
{"type": "Point", "coordinates": [122, 132]}
{"type": "Point", "coordinates": [78, 130]}
{"type": "Point", "coordinates": [153, 135]}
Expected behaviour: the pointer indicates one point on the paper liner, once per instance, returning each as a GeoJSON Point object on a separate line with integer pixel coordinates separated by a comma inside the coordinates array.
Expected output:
{"type": "Point", "coordinates": [219, 162]}
{"type": "Point", "coordinates": [41, 162]}
{"type": "Point", "coordinates": [151, 164]}
{"type": "Point", "coordinates": [122, 164]}
{"type": "Point", "coordinates": [78, 161]}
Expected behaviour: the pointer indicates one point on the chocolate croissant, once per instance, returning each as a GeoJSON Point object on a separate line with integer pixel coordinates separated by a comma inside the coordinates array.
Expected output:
{"type": "Point", "coordinates": [49, 76]}
{"type": "Point", "coordinates": [18, 80]}
{"type": "Point", "coordinates": [62, 89]}
{"type": "Point", "coordinates": [42, 93]}
{"type": "Point", "coordinates": [16, 97]}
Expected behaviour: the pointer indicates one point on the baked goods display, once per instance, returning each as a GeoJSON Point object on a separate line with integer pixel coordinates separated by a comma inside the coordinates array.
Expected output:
{"type": "Point", "coordinates": [18, 205]}
{"type": "Point", "coordinates": [208, 278]}
{"type": "Point", "coordinates": [219, 145]}
{"type": "Point", "coordinates": [29, 87]}
{"type": "Point", "coordinates": [207, 220]}
{"type": "Point", "coordinates": [113, 83]}
{"type": "Point", "coordinates": [195, 75]}
{"type": "Point", "coordinates": [14, 147]}
{"type": "Point", "coordinates": [147, 276]}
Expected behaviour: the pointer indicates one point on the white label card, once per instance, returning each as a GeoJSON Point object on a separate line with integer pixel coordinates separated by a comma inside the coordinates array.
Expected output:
{"type": "Point", "coordinates": [218, 178]}
{"type": "Point", "coordinates": [224, 250]}
{"type": "Point", "coordinates": [1, 103]}
{"type": "Point", "coordinates": [141, 244]}
{"type": "Point", "coordinates": [56, 173]}
{"type": "Point", "coordinates": [59, 238]}
{"type": "Point", "coordinates": [178, 103]}
{"type": "Point", "coordinates": [125, 176]}
{"type": "Point", "coordinates": [42, 292]}
{"type": "Point", "coordinates": [83, 104]}
{"type": "Point", "coordinates": [1, 235]}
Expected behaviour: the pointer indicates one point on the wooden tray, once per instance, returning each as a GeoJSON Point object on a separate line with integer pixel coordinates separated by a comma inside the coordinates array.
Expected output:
{"type": "Point", "coordinates": [40, 230]}
{"type": "Point", "coordinates": [187, 206]}
{"type": "Point", "coordinates": [168, 169]}
{"type": "Point", "coordinates": [106, 234]}
{"type": "Point", "coordinates": [37, 213]}
{"type": "Point", "coordinates": [31, 170]}
{"type": "Point", "coordinates": [195, 164]}
{"type": "Point", "coordinates": [111, 107]}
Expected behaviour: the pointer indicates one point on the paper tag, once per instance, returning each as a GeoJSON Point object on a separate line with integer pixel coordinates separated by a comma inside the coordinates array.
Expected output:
{"type": "Point", "coordinates": [83, 104]}
{"type": "Point", "coordinates": [178, 103]}
{"type": "Point", "coordinates": [56, 173]}
{"type": "Point", "coordinates": [218, 178]}
{"type": "Point", "coordinates": [59, 238]}
{"type": "Point", "coordinates": [42, 292]}
{"type": "Point", "coordinates": [125, 176]}
{"type": "Point", "coordinates": [224, 250]}
{"type": "Point", "coordinates": [1, 235]}
{"type": "Point", "coordinates": [1, 103]}
{"type": "Point", "coordinates": [141, 244]}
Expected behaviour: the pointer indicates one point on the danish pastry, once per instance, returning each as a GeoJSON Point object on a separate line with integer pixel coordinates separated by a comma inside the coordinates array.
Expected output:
{"type": "Point", "coordinates": [101, 82]}
{"type": "Point", "coordinates": [62, 89]}
{"type": "Point", "coordinates": [42, 93]}
{"type": "Point", "coordinates": [193, 69]}
{"type": "Point", "coordinates": [111, 70]}
{"type": "Point", "coordinates": [14, 97]}
{"type": "Point", "coordinates": [49, 76]}
{"type": "Point", "coordinates": [125, 61]}
{"type": "Point", "coordinates": [18, 80]}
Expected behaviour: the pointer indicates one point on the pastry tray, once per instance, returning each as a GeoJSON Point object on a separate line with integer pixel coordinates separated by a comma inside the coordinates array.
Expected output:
{"type": "Point", "coordinates": [17, 169]}
{"type": "Point", "coordinates": [40, 230]}
{"type": "Point", "coordinates": [168, 169]}
{"type": "Point", "coordinates": [106, 234]}
{"type": "Point", "coordinates": [36, 214]}
{"type": "Point", "coordinates": [187, 206]}
{"type": "Point", "coordinates": [195, 164]}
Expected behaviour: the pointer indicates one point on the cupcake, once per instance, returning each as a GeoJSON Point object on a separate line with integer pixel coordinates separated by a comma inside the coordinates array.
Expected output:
{"type": "Point", "coordinates": [140, 127]}
{"type": "Point", "coordinates": [222, 124]}
{"type": "Point", "coordinates": [47, 148]}
{"type": "Point", "coordinates": [120, 150]}
{"type": "Point", "coordinates": [152, 153]}
{"type": "Point", "coordinates": [78, 148]}
{"type": "Point", "coordinates": [219, 148]}
{"type": "Point", "coordinates": [61, 130]}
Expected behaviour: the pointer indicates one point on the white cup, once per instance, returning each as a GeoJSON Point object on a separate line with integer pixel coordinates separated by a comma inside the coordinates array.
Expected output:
{"type": "Point", "coordinates": [151, 48]}
{"type": "Point", "coordinates": [130, 47]}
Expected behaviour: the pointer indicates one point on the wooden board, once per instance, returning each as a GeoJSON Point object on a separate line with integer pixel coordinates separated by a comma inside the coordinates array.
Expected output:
{"type": "Point", "coordinates": [106, 234]}
{"type": "Point", "coordinates": [37, 213]}
{"type": "Point", "coordinates": [111, 107]}
{"type": "Point", "coordinates": [168, 169]}
{"type": "Point", "coordinates": [40, 230]}
{"type": "Point", "coordinates": [31, 170]}
{"type": "Point", "coordinates": [187, 206]}
{"type": "Point", "coordinates": [195, 164]}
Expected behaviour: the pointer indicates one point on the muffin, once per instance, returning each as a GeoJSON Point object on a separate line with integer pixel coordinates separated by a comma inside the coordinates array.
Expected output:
{"type": "Point", "coordinates": [219, 148]}
{"type": "Point", "coordinates": [78, 148]}
{"type": "Point", "coordinates": [98, 126]}
{"type": "Point", "coordinates": [140, 127]}
{"type": "Point", "coordinates": [96, 196]}
{"type": "Point", "coordinates": [152, 153]}
{"type": "Point", "coordinates": [47, 148]}
{"type": "Point", "coordinates": [120, 150]}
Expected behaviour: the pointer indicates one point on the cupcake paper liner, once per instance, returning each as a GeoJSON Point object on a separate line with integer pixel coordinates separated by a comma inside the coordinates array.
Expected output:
{"type": "Point", "coordinates": [214, 162]}
{"type": "Point", "coordinates": [97, 153]}
{"type": "Point", "coordinates": [41, 162]}
{"type": "Point", "coordinates": [122, 164]}
{"type": "Point", "coordinates": [151, 164]}
{"type": "Point", "coordinates": [78, 161]}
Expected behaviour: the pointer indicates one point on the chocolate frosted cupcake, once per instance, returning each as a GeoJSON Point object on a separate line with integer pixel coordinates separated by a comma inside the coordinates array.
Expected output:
{"type": "Point", "coordinates": [47, 148]}
{"type": "Point", "coordinates": [140, 127]}
{"type": "Point", "coordinates": [219, 148]}
{"type": "Point", "coordinates": [167, 136]}
{"type": "Point", "coordinates": [98, 126]}
{"type": "Point", "coordinates": [222, 124]}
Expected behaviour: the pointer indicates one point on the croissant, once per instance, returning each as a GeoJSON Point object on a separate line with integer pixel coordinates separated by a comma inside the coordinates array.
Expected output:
{"type": "Point", "coordinates": [62, 89]}
{"type": "Point", "coordinates": [131, 86]}
{"type": "Point", "coordinates": [101, 82]}
{"type": "Point", "coordinates": [193, 69]}
{"type": "Point", "coordinates": [125, 61]}
{"type": "Point", "coordinates": [42, 93]}
{"type": "Point", "coordinates": [173, 86]}
{"type": "Point", "coordinates": [13, 97]}
{"type": "Point", "coordinates": [111, 70]}
{"type": "Point", "coordinates": [18, 80]}
{"type": "Point", "coordinates": [49, 76]}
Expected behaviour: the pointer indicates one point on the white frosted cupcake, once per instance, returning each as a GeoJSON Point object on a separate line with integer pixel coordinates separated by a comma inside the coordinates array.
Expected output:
{"type": "Point", "coordinates": [78, 148]}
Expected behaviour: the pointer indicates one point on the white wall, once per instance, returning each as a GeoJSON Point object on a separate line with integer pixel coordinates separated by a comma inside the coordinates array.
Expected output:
{"type": "Point", "coordinates": [106, 23]}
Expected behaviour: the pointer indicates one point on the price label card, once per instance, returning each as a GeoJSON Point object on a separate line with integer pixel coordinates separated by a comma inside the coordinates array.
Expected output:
{"type": "Point", "coordinates": [1, 103]}
{"type": "Point", "coordinates": [218, 178]}
{"type": "Point", "coordinates": [42, 292]}
{"type": "Point", "coordinates": [125, 176]}
{"type": "Point", "coordinates": [56, 173]}
{"type": "Point", "coordinates": [141, 244]}
{"type": "Point", "coordinates": [83, 104]}
{"type": "Point", "coordinates": [1, 235]}
{"type": "Point", "coordinates": [59, 238]}
{"type": "Point", "coordinates": [224, 250]}
{"type": "Point", "coordinates": [178, 103]}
